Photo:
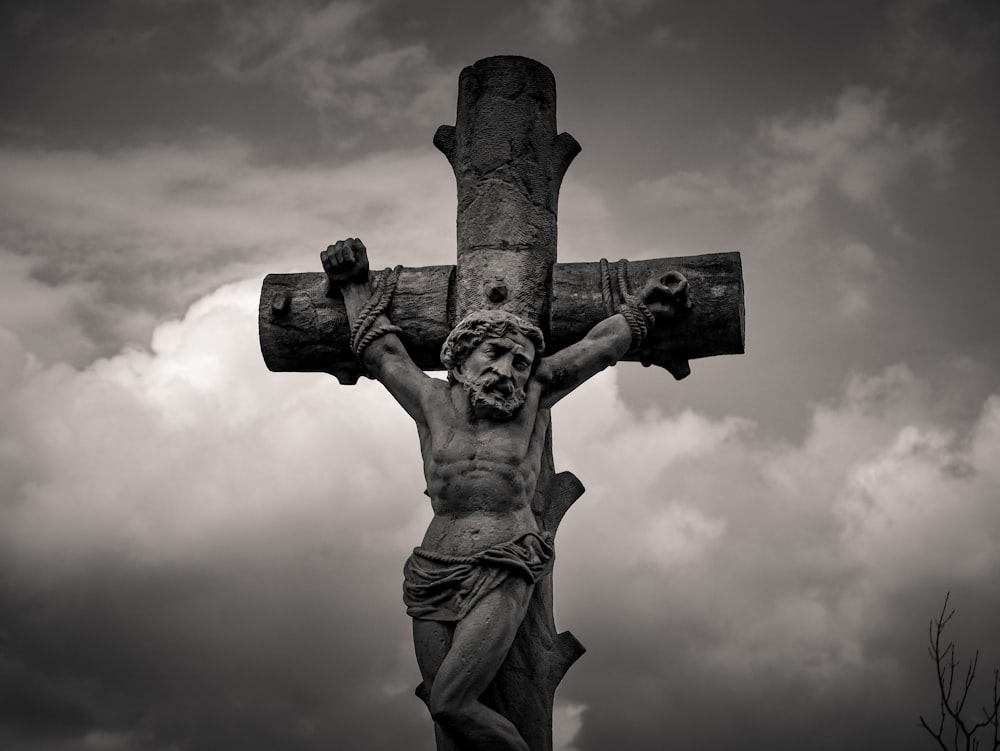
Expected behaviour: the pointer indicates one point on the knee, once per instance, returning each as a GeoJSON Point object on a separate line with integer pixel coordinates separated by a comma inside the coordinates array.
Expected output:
{"type": "Point", "coordinates": [446, 710]}
{"type": "Point", "coordinates": [446, 717]}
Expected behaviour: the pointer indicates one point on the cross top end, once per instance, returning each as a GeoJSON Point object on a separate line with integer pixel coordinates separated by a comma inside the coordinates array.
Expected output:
{"type": "Point", "coordinates": [509, 161]}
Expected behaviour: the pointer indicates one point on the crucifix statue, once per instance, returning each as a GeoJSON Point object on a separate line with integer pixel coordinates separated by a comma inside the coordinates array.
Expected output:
{"type": "Point", "coordinates": [516, 333]}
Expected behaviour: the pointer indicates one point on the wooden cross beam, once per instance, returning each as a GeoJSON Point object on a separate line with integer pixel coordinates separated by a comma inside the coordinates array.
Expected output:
{"type": "Point", "coordinates": [509, 163]}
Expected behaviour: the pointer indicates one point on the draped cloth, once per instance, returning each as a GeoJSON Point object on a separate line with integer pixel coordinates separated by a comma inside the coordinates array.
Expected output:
{"type": "Point", "coordinates": [439, 587]}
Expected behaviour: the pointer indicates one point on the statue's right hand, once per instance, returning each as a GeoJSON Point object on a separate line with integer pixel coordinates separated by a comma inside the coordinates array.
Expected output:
{"type": "Point", "coordinates": [346, 261]}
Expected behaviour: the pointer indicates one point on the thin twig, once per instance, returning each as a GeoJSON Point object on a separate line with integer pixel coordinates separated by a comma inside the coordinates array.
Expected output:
{"type": "Point", "coordinates": [945, 663]}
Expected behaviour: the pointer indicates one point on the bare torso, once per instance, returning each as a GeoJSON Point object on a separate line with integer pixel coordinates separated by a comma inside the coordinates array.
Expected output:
{"type": "Point", "coordinates": [480, 474]}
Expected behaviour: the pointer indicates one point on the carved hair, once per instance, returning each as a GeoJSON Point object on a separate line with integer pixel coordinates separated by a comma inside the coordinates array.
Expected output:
{"type": "Point", "coordinates": [476, 327]}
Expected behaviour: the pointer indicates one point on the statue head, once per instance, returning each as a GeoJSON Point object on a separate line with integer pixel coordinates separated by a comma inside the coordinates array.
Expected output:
{"type": "Point", "coordinates": [493, 354]}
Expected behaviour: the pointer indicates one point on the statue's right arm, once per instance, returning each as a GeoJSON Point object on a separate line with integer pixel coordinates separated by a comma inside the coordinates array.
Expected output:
{"type": "Point", "coordinates": [385, 358]}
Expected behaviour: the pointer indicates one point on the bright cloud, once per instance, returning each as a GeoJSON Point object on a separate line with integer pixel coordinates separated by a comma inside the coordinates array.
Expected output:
{"type": "Point", "coordinates": [859, 272]}
{"type": "Point", "coordinates": [687, 190]}
{"type": "Point", "coordinates": [567, 719]}
{"type": "Point", "coordinates": [856, 149]}
{"type": "Point", "coordinates": [568, 21]}
{"type": "Point", "coordinates": [851, 145]}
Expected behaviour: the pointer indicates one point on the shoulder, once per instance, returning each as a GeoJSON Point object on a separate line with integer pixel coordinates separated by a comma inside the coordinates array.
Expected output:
{"type": "Point", "coordinates": [551, 375]}
{"type": "Point", "coordinates": [434, 389]}
{"type": "Point", "coordinates": [543, 372]}
{"type": "Point", "coordinates": [436, 398]}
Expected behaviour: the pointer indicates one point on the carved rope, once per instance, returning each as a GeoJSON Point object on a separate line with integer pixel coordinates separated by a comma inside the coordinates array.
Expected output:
{"type": "Point", "coordinates": [640, 319]}
{"type": "Point", "coordinates": [364, 331]}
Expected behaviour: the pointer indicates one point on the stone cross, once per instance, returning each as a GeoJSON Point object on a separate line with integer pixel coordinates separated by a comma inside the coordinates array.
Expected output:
{"type": "Point", "coordinates": [509, 163]}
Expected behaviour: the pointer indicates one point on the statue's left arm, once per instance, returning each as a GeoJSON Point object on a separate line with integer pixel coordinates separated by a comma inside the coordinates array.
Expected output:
{"type": "Point", "coordinates": [661, 300]}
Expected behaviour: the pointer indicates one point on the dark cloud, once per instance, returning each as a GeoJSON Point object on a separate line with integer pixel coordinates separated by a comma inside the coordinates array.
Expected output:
{"type": "Point", "coordinates": [196, 553]}
{"type": "Point", "coordinates": [256, 658]}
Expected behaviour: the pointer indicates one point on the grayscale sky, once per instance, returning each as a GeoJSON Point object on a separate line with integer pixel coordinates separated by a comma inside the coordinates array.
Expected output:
{"type": "Point", "coordinates": [198, 554]}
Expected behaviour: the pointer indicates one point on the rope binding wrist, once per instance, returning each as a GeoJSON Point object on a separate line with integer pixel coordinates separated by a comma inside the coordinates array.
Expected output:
{"type": "Point", "coordinates": [364, 331]}
{"type": "Point", "coordinates": [640, 319]}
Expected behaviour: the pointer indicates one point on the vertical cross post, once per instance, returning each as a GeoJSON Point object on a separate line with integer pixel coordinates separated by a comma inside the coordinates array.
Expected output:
{"type": "Point", "coordinates": [509, 163]}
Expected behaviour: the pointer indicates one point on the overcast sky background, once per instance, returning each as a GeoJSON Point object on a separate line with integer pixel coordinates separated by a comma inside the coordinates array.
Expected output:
{"type": "Point", "coordinates": [197, 554]}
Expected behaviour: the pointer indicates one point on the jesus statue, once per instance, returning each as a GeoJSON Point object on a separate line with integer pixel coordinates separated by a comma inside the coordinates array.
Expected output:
{"type": "Point", "coordinates": [482, 435]}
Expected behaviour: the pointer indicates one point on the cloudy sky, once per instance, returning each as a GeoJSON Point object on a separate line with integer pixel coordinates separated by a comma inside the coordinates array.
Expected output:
{"type": "Point", "coordinates": [198, 554]}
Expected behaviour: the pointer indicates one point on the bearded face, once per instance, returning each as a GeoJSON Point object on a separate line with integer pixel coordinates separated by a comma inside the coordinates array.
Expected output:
{"type": "Point", "coordinates": [495, 375]}
{"type": "Point", "coordinates": [493, 396]}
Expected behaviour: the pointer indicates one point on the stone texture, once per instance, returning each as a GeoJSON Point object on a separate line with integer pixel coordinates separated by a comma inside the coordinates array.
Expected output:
{"type": "Point", "coordinates": [304, 329]}
{"type": "Point", "coordinates": [490, 473]}
{"type": "Point", "coordinates": [509, 163]}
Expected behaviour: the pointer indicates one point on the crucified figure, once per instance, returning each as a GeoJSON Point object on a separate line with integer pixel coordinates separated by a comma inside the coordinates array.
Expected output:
{"type": "Point", "coordinates": [482, 435]}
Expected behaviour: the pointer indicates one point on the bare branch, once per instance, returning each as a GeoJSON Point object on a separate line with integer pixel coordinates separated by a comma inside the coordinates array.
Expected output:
{"type": "Point", "coordinates": [935, 735]}
{"type": "Point", "coordinates": [963, 736]}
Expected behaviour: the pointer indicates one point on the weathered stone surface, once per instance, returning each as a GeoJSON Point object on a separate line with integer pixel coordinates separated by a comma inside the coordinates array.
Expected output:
{"type": "Point", "coordinates": [303, 329]}
{"type": "Point", "coordinates": [478, 587]}
{"type": "Point", "coordinates": [509, 163]}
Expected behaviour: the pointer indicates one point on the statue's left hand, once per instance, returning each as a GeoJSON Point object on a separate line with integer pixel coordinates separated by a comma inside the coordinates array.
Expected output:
{"type": "Point", "coordinates": [666, 296]}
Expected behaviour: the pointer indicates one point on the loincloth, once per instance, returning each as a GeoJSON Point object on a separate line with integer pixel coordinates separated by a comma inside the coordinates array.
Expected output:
{"type": "Point", "coordinates": [440, 587]}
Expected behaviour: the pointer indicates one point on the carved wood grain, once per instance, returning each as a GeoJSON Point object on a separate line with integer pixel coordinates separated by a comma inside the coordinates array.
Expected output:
{"type": "Point", "coordinates": [303, 329]}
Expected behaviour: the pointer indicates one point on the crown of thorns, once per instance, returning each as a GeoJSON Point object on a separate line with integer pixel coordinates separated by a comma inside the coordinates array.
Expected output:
{"type": "Point", "coordinates": [486, 324]}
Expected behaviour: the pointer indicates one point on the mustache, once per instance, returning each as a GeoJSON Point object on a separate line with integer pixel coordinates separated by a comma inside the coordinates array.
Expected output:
{"type": "Point", "coordinates": [496, 393]}
{"type": "Point", "coordinates": [490, 380]}
{"type": "Point", "coordinates": [493, 381]}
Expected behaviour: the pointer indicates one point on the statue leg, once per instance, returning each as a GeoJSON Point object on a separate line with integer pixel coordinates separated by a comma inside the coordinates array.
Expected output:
{"type": "Point", "coordinates": [431, 642]}
{"type": "Point", "coordinates": [479, 646]}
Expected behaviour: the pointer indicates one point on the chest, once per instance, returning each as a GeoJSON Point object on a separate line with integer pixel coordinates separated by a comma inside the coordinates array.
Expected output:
{"type": "Point", "coordinates": [509, 442]}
